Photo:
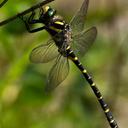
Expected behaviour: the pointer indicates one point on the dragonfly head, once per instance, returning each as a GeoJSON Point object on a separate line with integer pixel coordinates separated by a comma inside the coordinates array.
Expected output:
{"type": "Point", "coordinates": [47, 14]}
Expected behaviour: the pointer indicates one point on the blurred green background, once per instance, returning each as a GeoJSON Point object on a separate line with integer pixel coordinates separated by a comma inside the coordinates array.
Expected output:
{"type": "Point", "coordinates": [23, 102]}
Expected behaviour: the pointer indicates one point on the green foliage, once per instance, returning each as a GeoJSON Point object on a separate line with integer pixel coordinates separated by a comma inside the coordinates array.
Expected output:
{"type": "Point", "coordinates": [23, 102]}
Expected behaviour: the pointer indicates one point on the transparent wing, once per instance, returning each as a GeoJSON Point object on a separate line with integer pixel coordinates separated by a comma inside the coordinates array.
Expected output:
{"type": "Point", "coordinates": [83, 41]}
{"type": "Point", "coordinates": [44, 52]}
{"type": "Point", "coordinates": [77, 22]}
{"type": "Point", "coordinates": [58, 73]}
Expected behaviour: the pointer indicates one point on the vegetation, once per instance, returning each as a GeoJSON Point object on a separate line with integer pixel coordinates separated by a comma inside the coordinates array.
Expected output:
{"type": "Point", "coordinates": [23, 102]}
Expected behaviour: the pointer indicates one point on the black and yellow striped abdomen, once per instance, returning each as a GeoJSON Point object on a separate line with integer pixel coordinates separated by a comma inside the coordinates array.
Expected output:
{"type": "Point", "coordinates": [105, 107]}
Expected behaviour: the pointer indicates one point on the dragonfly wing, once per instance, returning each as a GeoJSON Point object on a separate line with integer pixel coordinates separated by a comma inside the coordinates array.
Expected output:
{"type": "Point", "coordinates": [83, 41]}
{"type": "Point", "coordinates": [58, 73]}
{"type": "Point", "coordinates": [77, 22]}
{"type": "Point", "coordinates": [44, 52]}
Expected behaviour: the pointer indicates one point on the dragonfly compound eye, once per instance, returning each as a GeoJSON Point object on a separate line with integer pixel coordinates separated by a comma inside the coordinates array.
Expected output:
{"type": "Point", "coordinates": [48, 11]}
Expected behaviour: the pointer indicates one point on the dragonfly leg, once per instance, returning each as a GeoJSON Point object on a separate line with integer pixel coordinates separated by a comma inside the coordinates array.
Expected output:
{"type": "Point", "coordinates": [34, 30]}
{"type": "Point", "coordinates": [30, 21]}
{"type": "Point", "coordinates": [40, 10]}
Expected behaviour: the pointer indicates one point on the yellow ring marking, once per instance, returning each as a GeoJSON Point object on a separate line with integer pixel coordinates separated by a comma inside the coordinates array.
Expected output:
{"type": "Point", "coordinates": [79, 64]}
{"type": "Point", "coordinates": [59, 22]}
{"type": "Point", "coordinates": [68, 47]}
{"type": "Point", "coordinates": [107, 110]}
{"type": "Point", "coordinates": [70, 52]}
{"type": "Point", "coordinates": [100, 98]}
{"type": "Point", "coordinates": [75, 58]}
{"type": "Point", "coordinates": [55, 29]}
{"type": "Point", "coordinates": [84, 71]}
{"type": "Point", "coordinates": [111, 121]}
{"type": "Point", "coordinates": [93, 84]}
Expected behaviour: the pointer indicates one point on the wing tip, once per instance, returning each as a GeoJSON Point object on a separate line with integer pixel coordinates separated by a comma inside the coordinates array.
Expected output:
{"type": "Point", "coordinates": [86, 2]}
{"type": "Point", "coordinates": [31, 57]}
{"type": "Point", "coordinates": [94, 29]}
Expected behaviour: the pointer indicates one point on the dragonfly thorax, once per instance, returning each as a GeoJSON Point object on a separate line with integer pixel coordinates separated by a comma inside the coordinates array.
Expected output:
{"type": "Point", "coordinates": [63, 39]}
{"type": "Point", "coordinates": [59, 30]}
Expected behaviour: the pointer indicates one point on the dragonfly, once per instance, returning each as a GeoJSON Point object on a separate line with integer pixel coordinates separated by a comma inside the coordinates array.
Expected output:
{"type": "Point", "coordinates": [68, 42]}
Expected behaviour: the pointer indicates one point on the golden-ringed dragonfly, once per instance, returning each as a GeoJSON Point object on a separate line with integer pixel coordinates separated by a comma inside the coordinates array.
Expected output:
{"type": "Point", "coordinates": [67, 41]}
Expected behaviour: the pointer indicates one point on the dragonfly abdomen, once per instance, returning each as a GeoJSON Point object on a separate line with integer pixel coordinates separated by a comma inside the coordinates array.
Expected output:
{"type": "Point", "coordinates": [89, 79]}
